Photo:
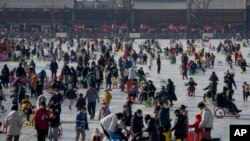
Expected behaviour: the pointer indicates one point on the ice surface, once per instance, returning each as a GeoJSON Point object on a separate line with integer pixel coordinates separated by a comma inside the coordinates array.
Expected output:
{"type": "Point", "coordinates": [221, 126]}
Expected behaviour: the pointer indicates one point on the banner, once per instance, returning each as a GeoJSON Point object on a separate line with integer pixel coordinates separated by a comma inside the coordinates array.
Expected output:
{"type": "Point", "coordinates": [134, 35]}
{"type": "Point", "coordinates": [62, 35]}
{"type": "Point", "coordinates": [207, 35]}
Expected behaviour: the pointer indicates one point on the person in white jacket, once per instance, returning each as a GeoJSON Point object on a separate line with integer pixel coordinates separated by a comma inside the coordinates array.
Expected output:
{"type": "Point", "coordinates": [109, 123]}
{"type": "Point", "coordinates": [149, 61]}
{"type": "Point", "coordinates": [207, 119]}
{"type": "Point", "coordinates": [14, 124]}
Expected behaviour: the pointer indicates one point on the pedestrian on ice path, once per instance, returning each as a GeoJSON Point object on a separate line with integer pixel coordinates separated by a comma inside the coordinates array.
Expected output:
{"type": "Point", "coordinates": [70, 95]}
{"type": "Point", "coordinates": [41, 123]}
{"type": "Point", "coordinates": [158, 64]}
{"type": "Point", "coordinates": [14, 124]}
{"type": "Point", "coordinates": [54, 123]}
{"type": "Point", "coordinates": [81, 123]}
{"type": "Point", "coordinates": [92, 96]}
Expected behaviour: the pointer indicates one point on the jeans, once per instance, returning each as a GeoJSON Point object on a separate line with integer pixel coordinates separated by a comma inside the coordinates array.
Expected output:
{"type": "Point", "coordinates": [98, 84]}
{"type": "Point", "coordinates": [11, 137]}
{"type": "Point", "coordinates": [27, 113]}
{"type": "Point", "coordinates": [71, 101]}
{"type": "Point", "coordinates": [53, 133]}
{"type": "Point", "coordinates": [41, 134]}
{"type": "Point", "coordinates": [82, 132]}
{"type": "Point", "coordinates": [91, 109]}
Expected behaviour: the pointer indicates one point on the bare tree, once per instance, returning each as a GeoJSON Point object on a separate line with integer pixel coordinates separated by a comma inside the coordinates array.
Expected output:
{"type": "Point", "coordinates": [53, 4]}
{"type": "Point", "coordinates": [2, 4]}
{"type": "Point", "coordinates": [197, 10]}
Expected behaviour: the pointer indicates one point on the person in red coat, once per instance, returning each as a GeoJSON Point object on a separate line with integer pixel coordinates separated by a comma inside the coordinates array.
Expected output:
{"type": "Point", "coordinates": [197, 130]}
{"type": "Point", "coordinates": [41, 122]}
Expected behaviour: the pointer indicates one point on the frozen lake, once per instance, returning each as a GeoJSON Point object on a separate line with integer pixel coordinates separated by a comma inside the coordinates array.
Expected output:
{"type": "Point", "coordinates": [221, 126]}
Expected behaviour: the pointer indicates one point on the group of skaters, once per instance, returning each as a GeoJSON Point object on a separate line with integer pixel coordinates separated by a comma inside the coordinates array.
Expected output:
{"type": "Point", "coordinates": [91, 73]}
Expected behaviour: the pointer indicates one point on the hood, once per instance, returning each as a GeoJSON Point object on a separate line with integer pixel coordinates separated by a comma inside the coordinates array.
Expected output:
{"type": "Point", "coordinates": [198, 117]}
{"type": "Point", "coordinates": [14, 114]}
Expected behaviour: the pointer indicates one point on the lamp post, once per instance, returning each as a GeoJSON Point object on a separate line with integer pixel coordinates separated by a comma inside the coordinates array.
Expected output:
{"type": "Point", "coordinates": [52, 10]}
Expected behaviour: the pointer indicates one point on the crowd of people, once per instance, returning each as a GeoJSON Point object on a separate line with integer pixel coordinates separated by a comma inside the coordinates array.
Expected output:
{"type": "Point", "coordinates": [91, 73]}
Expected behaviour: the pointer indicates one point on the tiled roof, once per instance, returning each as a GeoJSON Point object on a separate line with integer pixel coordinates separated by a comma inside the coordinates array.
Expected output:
{"type": "Point", "coordinates": [38, 3]}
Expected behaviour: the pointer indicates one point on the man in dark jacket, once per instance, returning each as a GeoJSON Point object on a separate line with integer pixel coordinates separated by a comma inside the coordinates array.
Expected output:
{"type": "Point", "coordinates": [70, 95]}
{"type": "Point", "coordinates": [137, 124]}
{"type": "Point", "coordinates": [158, 64]}
{"type": "Point", "coordinates": [54, 123]}
{"type": "Point", "coordinates": [53, 68]}
{"type": "Point", "coordinates": [20, 72]}
{"type": "Point", "coordinates": [213, 77]}
{"type": "Point", "coordinates": [151, 128]}
{"type": "Point", "coordinates": [164, 116]}
{"type": "Point", "coordinates": [56, 100]}
{"type": "Point", "coordinates": [66, 73]}
{"type": "Point", "coordinates": [151, 88]}
{"type": "Point", "coordinates": [171, 92]}
{"type": "Point", "coordinates": [81, 102]}
{"type": "Point", "coordinates": [39, 87]}
{"type": "Point", "coordinates": [127, 112]}
{"type": "Point", "coordinates": [181, 125]}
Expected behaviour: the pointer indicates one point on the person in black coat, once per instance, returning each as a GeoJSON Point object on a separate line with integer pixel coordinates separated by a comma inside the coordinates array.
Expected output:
{"type": "Point", "coordinates": [54, 123]}
{"type": "Point", "coordinates": [56, 100]}
{"type": "Point", "coordinates": [184, 71]}
{"type": "Point", "coordinates": [213, 77]}
{"type": "Point", "coordinates": [66, 73]}
{"type": "Point", "coordinates": [171, 92]}
{"type": "Point", "coordinates": [73, 77]}
{"type": "Point", "coordinates": [127, 112]}
{"type": "Point", "coordinates": [180, 126]}
{"type": "Point", "coordinates": [108, 79]}
{"type": "Point", "coordinates": [243, 66]}
{"type": "Point", "coordinates": [85, 71]}
{"type": "Point", "coordinates": [158, 64]}
{"type": "Point", "coordinates": [151, 88]}
{"type": "Point", "coordinates": [164, 116]}
{"type": "Point", "coordinates": [81, 102]}
{"type": "Point", "coordinates": [66, 57]}
{"type": "Point", "coordinates": [79, 70]}
{"type": "Point", "coordinates": [39, 87]}
{"type": "Point", "coordinates": [5, 74]}
{"type": "Point", "coordinates": [20, 72]}
{"type": "Point", "coordinates": [151, 128]}
{"type": "Point", "coordinates": [20, 94]}
{"type": "Point", "coordinates": [137, 124]}
{"type": "Point", "coordinates": [53, 68]}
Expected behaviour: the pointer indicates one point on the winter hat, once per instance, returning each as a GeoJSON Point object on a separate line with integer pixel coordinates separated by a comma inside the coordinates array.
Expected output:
{"type": "Point", "coordinates": [81, 95]}
{"type": "Point", "coordinates": [14, 107]}
{"type": "Point", "coordinates": [147, 117]}
{"type": "Point", "coordinates": [198, 117]}
{"type": "Point", "coordinates": [183, 107]}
